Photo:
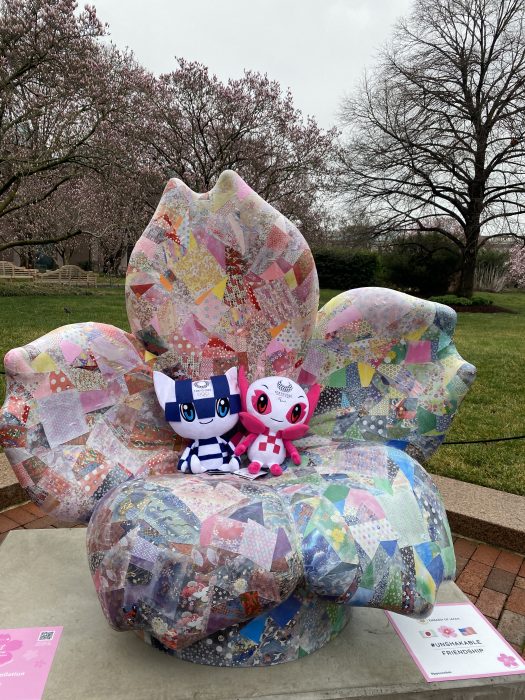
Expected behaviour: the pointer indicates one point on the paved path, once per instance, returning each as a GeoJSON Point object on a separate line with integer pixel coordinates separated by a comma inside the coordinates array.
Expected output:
{"type": "Point", "coordinates": [492, 578]}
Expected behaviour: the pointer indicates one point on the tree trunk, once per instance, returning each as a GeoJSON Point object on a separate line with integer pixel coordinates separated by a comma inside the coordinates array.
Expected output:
{"type": "Point", "coordinates": [468, 263]}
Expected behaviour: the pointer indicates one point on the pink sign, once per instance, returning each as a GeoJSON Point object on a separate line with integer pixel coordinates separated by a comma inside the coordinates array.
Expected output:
{"type": "Point", "coordinates": [26, 655]}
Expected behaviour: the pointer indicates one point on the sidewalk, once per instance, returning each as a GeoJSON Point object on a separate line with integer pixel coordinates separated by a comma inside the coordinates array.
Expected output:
{"type": "Point", "coordinates": [492, 578]}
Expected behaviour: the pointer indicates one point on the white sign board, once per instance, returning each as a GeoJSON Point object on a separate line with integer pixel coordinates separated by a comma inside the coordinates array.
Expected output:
{"type": "Point", "coordinates": [456, 642]}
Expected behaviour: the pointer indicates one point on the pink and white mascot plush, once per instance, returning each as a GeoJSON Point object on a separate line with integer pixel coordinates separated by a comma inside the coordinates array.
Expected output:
{"type": "Point", "coordinates": [276, 411]}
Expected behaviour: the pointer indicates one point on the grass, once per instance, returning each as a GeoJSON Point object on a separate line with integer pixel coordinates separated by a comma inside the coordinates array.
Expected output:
{"type": "Point", "coordinates": [495, 406]}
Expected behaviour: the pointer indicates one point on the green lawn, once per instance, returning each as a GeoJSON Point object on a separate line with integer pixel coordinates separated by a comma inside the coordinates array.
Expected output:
{"type": "Point", "coordinates": [495, 406]}
{"type": "Point", "coordinates": [493, 342]}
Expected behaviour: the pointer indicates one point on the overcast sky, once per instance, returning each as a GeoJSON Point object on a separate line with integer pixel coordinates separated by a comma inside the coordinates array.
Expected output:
{"type": "Point", "coordinates": [318, 48]}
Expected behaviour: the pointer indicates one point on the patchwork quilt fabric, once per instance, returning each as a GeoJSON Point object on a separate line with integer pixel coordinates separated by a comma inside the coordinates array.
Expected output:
{"type": "Point", "coordinates": [221, 570]}
{"type": "Point", "coordinates": [81, 416]}
{"type": "Point", "coordinates": [221, 279]}
{"type": "Point", "coordinates": [225, 571]}
{"type": "Point", "coordinates": [390, 370]}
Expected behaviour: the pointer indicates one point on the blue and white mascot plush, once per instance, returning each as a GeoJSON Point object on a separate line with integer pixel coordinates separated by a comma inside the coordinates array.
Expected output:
{"type": "Point", "coordinates": [202, 411]}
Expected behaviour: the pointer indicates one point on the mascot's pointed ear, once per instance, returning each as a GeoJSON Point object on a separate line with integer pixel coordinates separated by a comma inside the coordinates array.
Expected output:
{"type": "Point", "coordinates": [313, 397]}
{"type": "Point", "coordinates": [231, 376]}
{"type": "Point", "coordinates": [164, 388]}
{"type": "Point", "coordinates": [243, 386]}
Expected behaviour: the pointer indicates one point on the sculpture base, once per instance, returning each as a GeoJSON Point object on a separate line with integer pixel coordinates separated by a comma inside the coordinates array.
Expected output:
{"type": "Point", "coordinates": [299, 626]}
{"type": "Point", "coordinates": [367, 660]}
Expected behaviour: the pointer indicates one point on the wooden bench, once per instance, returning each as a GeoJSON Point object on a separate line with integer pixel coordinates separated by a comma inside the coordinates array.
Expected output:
{"type": "Point", "coordinates": [10, 271]}
{"type": "Point", "coordinates": [70, 275]}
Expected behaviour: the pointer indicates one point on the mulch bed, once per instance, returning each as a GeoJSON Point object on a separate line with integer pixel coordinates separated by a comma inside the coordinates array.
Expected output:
{"type": "Point", "coordinates": [483, 309]}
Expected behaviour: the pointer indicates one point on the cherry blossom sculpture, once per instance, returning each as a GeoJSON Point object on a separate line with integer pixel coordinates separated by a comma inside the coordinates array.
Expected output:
{"type": "Point", "coordinates": [219, 569]}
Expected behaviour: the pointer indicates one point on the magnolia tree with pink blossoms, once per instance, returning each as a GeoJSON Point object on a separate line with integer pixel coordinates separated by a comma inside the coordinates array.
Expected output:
{"type": "Point", "coordinates": [88, 138]}
{"type": "Point", "coordinates": [203, 126]}
{"type": "Point", "coordinates": [517, 265]}
{"type": "Point", "coordinates": [65, 101]}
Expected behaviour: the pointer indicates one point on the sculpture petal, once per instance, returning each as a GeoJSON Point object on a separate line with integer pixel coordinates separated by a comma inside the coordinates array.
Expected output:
{"type": "Point", "coordinates": [390, 370]}
{"type": "Point", "coordinates": [221, 279]}
{"type": "Point", "coordinates": [81, 416]}
{"type": "Point", "coordinates": [271, 567]}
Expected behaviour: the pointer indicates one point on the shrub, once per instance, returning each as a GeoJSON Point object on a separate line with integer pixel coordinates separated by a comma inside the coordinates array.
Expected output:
{"type": "Point", "coordinates": [338, 268]}
{"type": "Point", "coordinates": [453, 300]}
{"type": "Point", "coordinates": [422, 264]}
{"type": "Point", "coordinates": [28, 289]}
{"type": "Point", "coordinates": [491, 270]}
{"type": "Point", "coordinates": [490, 279]}
{"type": "Point", "coordinates": [478, 300]}
{"type": "Point", "coordinates": [492, 257]}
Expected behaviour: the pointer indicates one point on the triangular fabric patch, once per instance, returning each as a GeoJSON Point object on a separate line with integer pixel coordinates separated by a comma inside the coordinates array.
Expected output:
{"type": "Point", "coordinates": [389, 546]}
{"type": "Point", "coordinates": [220, 288]}
{"type": "Point", "coordinates": [140, 289]}
{"type": "Point", "coordinates": [282, 545]}
{"type": "Point", "coordinates": [336, 492]}
{"type": "Point", "coordinates": [274, 332]}
{"type": "Point", "coordinates": [366, 373]}
{"type": "Point", "coordinates": [435, 569]}
{"type": "Point", "coordinates": [253, 511]}
{"type": "Point", "coordinates": [284, 612]}
{"type": "Point", "coordinates": [43, 363]}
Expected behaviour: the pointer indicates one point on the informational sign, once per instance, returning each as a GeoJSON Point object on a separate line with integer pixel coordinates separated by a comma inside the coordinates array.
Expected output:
{"type": "Point", "coordinates": [456, 642]}
{"type": "Point", "coordinates": [26, 655]}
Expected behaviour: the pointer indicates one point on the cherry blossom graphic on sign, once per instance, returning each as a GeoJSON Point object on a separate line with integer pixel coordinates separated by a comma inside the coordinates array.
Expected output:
{"type": "Point", "coordinates": [8, 645]}
{"type": "Point", "coordinates": [508, 661]}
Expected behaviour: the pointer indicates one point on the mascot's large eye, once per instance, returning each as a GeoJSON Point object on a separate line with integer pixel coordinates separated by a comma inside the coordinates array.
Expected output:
{"type": "Point", "coordinates": [222, 407]}
{"type": "Point", "coordinates": [188, 412]}
{"type": "Point", "coordinates": [262, 403]}
{"type": "Point", "coordinates": [296, 412]}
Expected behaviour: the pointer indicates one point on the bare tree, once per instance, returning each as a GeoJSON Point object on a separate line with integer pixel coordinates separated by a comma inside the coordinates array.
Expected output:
{"type": "Point", "coordinates": [437, 130]}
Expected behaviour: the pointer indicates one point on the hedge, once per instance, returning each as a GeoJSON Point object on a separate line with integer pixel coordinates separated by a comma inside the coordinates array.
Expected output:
{"type": "Point", "coordinates": [346, 269]}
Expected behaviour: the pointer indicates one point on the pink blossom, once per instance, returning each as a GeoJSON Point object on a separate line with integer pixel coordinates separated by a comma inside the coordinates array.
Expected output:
{"type": "Point", "coordinates": [8, 645]}
{"type": "Point", "coordinates": [508, 661]}
{"type": "Point", "coordinates": [517, 265]}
